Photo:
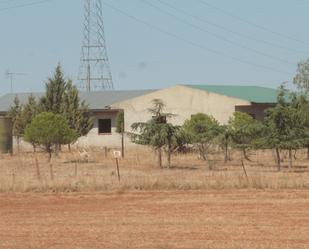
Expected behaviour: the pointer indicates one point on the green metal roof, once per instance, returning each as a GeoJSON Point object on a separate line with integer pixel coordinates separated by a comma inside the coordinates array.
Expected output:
{"type": "Point", "coordinates": [255, 94]}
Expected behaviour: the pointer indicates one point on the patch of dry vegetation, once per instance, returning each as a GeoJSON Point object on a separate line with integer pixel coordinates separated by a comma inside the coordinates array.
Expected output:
{"type": "Point", "coordinates": [73, 173]}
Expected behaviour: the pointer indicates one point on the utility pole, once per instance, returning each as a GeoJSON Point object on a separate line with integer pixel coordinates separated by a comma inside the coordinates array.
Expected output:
{"type": "Point", "coordinates": [11, 75]}
{"type": "Point", "coordinates": [94, 72]}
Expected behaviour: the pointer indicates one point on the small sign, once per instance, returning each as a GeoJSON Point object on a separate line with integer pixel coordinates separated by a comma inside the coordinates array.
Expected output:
{"type": "Point", "coordinates": [117, 153]}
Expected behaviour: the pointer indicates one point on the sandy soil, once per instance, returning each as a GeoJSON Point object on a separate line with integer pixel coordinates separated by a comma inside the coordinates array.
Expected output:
{"type": "Point", "coordinates": [192, 219]}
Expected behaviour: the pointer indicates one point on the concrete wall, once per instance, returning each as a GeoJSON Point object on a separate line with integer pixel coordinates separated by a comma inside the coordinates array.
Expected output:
{"type": "Point", "coordinates": [95, 139]}
{"type": "Point", "coordinates": [182, 101]}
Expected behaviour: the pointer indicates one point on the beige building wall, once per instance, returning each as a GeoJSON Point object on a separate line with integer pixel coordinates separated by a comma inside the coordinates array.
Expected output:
{"type": "Point", "coordinates": [94, 138]}
{"type": "Point", "coordinates": [182, 101]}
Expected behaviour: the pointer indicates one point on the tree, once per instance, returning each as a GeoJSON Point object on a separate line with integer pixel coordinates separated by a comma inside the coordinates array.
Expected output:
{"type": "Point", "coordinates": [156, 132]}
{"type": "Point", "coordinates": [244, 129]}
{"type": "Point", "coordinates": [55, 88]}
{"type": "Point", "coordinates": [62, 97]}
{"type": "Point", "coordinates": [120, 129]}
{"type": "Point", "coordinates": [75, 111]}
{"type": "Point", "coordinates": [224, 140]}
{"type": "Point", "coordinates": [49, 130]}
{"type": "Point", "coordinates": [15, 113]}
{"type": "Point", "coordinates": [301, 79]}
{"type": "Point", "coordinates": [203, 130]}
{"type": "Point", "coordinates": [30, 110]}
{"type": "Point", "coordinates": [285, 127]}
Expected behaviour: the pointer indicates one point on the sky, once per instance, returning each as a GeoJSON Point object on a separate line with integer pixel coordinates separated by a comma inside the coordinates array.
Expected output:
{"type": "Point", "coordinates": [152, 45]}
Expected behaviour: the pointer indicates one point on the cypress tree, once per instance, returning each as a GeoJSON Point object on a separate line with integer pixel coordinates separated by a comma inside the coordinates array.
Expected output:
{"type": "Point", "coordinates": [62, 97]}
{"type": "Point", "coordinates": [15, 113]}
{"type": "Point", "coordinates": [55, 88]}
{"type": "Point", "coordinates": [30, 110]}
{"type": "Point", "coordinates": [76, 112]}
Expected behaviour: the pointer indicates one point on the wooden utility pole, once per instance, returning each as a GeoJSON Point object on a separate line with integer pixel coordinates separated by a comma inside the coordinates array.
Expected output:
{"type": "Point", "coordinates": [117, 155]}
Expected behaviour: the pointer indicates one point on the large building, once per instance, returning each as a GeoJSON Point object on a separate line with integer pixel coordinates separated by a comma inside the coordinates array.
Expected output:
{"type": "Point", "coordinates": [182, 100]}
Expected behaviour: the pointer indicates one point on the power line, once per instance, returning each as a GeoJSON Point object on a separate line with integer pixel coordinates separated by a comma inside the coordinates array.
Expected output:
{"type": "Point", "coordinates": [25, 5]}
{"type": "Point", "coordinates": [220, 37]}
{"type": "Point", "coordinates": [8, 1]}
{"type": "Point", "coordinates": [252, 23]}
{"type": "Point", "coordinates": [192, 43]}
{"type": "Point", "coordinates": [179, 10]}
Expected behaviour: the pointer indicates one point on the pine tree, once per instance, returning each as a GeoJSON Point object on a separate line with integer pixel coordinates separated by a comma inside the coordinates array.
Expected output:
{"type": "Point", "coordinates": [62, 97]}
{"type": "Point", "coordinates": [30, 110]}
{"type": "Point", "coordinates": [76, 112]}
{"type": "Point", "coordinates": [156, 132]}
{"type": "Point", "coordinates": [15, 113]}
{"type": "Point", "coordinates": [55, 89]}
{"type": "Point", "coordinates": [49, 130]}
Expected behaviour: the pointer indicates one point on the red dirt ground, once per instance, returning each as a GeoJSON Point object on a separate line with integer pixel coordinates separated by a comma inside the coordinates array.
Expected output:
{"type": "Point", "coordinates": [192, 219]}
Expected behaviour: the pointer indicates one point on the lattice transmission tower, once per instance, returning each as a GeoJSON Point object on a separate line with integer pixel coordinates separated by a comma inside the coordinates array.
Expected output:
{"type": "Point", "coordinates": [94, 72]}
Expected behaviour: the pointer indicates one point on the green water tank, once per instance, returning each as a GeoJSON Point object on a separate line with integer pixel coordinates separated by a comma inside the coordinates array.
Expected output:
{"type": "Point", "coordinates": [6, 136]}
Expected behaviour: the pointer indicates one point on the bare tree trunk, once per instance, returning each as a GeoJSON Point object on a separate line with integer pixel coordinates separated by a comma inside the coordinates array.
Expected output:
{"type": "Point", "coordinates": [204, 156]}
{"type": "Point", "coordinates": [34, 148]}
{"type": "Point", "coordinates": [202, 153]}
{"type": "Point", "coordinates": [49, 151]}
{"type": "Point", "coordinates": [283, 157]}
{"type": "Point", "coordinates": [245, 154]}
{"type": "Point", "coordinates": [69, 147]}
{"type": "Point", "coordinates": [278, 159]}
{"type": "Point", "coordinates": [307, 152]}
{"type": "Point", "coordinates": [122, 144]}
{"type": "Point", "coordinates": [226, 156]}
{"type": "Point", "coordinates": [169, 152]}
{"type": "Point", "coordinates": [290, 159]}
{"type": "Point", "coordinates": [18, 144]}
{"type": "Point", "coordinates": [244, 169]}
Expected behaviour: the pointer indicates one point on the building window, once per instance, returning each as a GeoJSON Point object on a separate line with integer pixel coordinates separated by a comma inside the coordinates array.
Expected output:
{"type": "Point", "coordinates": [105, 126]}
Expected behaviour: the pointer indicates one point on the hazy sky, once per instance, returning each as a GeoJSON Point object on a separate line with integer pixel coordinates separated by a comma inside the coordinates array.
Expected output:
{"type": "Point", "coordinates": [35, 38]}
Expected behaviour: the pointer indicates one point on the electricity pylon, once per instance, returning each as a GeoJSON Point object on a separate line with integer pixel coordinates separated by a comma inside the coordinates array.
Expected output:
{"type": "Point", "coordinates": [94, 72]}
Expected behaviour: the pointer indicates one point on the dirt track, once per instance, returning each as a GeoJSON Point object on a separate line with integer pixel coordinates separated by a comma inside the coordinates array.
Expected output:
{"type": "Point", "coordinates": [216, 219]}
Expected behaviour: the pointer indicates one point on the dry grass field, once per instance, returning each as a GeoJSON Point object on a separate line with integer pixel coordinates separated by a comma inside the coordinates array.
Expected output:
{"type": "Point", "coordinates": [187, 206]}
{"type": "Point", "coordinates": [139, 171]}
